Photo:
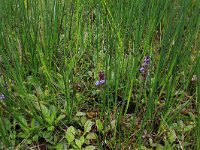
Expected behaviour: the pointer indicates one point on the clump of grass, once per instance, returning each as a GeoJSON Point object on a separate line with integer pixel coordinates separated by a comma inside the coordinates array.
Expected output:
{"type": "Point", "coordinates": [73, 74]}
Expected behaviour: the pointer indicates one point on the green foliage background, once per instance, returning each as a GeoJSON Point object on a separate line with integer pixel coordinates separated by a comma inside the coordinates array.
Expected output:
{"type": "Point", "coordinates": [51, 52]}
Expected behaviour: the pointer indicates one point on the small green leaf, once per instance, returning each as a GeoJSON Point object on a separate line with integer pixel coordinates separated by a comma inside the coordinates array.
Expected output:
{"type": "Point", "coordinates": [88, 125]}
{"type": "Point", "coordinates": [174, 125]}
{"type": "Point", "coordinates": [78, 143]}
{"type": "Point", "coordinates": [82, 139]}
{"type": "Point", "coordinates": [22, 135]}
{"type": "Point", "coordinates": [159, 147]}
{"type": "Point", "coordinates": [150, 141]}
{"type": "Point", "coordinates": [33, 123]}
{"type": "Point", "coordinates": [29, 141]}
{"type": "Point", "coordinates": [113, 124]}
{"type": "Point", "coordinates": [47, 135]}
{"type": "Point", "coordinates": [91, 136]}
{"type": "Point", "coordinates": [87, 142]}
{"type": "Point", "coordinates": [53, 111]}
{"type": "Point", "coordinates": [83, 120]}
{"type": "Point", "coordinates": [181, 124]}
{"type": "Point", "coordinates": [59, 146]}
{"type": "Point", "coordinates": [49, 114]}
{"type": "Point", "coordinates": [99, 125]}
{"type": "Point", "coordinates": [192, 116]}
{"type": "Point", "coordinates": [32, 80]}
{"type": "Point", "coordinates": [90, 73]}
{"type": "Point", "coordinates": [45, 111]}
{"type": "Point", "coordinates": [7, 123]}
{"type": "Point", "coordinates": [171, 136]}
{"type": "Point", "coordinates": [59, 118]}
{"type": "Point", "coordinates": [90, 147]}
{"type": "Point", "coordinates": [23, 123]}
{"type": "Point", "coordinates": [188, 128]}
{"type": "Point", "coordinates": [35, 138]}
{"type": "Point", "coordinates": [22, 120]}
{"type": "Point", "coordinates": [51, 128]}
{"type": "Point", "coordinates": [80, 114]}
{"type": "Point", "coordinates": [69, 135]}
{"type": "Point", "coordinates": [75, 147]}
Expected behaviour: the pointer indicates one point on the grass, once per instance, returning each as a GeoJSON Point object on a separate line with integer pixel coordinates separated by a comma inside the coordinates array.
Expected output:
{"type": "Point", "coordinates": [51, 53]}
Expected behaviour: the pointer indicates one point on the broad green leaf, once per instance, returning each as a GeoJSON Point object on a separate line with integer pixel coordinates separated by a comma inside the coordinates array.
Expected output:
{"type": "Point", "coordinates": [88, 125]}
{"type": "Point", "coordinates": [91, 136]}
{"type": "Point", "coordinates": [69, 135]}
{"type": "Point", "coordinates": [99, 125]}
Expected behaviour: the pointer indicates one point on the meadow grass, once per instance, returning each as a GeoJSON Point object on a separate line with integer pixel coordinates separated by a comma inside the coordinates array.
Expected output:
{"type": "Point", "coordinates": [53, 52]}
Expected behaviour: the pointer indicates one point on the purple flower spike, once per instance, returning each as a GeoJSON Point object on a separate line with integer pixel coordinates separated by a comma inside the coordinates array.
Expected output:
{"type": "Point", "coordinates": [101, 79]}
{"type": "Point", "coordinates": [146, 60]}
{"type": "Point", "coordinates": [101, 75]}
{"type": "Point", "coordinates": [145, 65]}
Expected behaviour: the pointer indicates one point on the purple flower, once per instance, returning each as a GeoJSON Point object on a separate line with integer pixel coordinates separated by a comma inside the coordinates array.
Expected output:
{"type": "Point", "coordinates": [145, 64]}
{"type": "Point", "coordinates": [146, 60]}
{"type": "Point", "coordinates": [142, 70]}
{"type": "Point", "coordinates": [2, 96]}
{"type": "Point", "coordinates": [100, 82]}
{"type": "Point", "coordinates": [101, 79]}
